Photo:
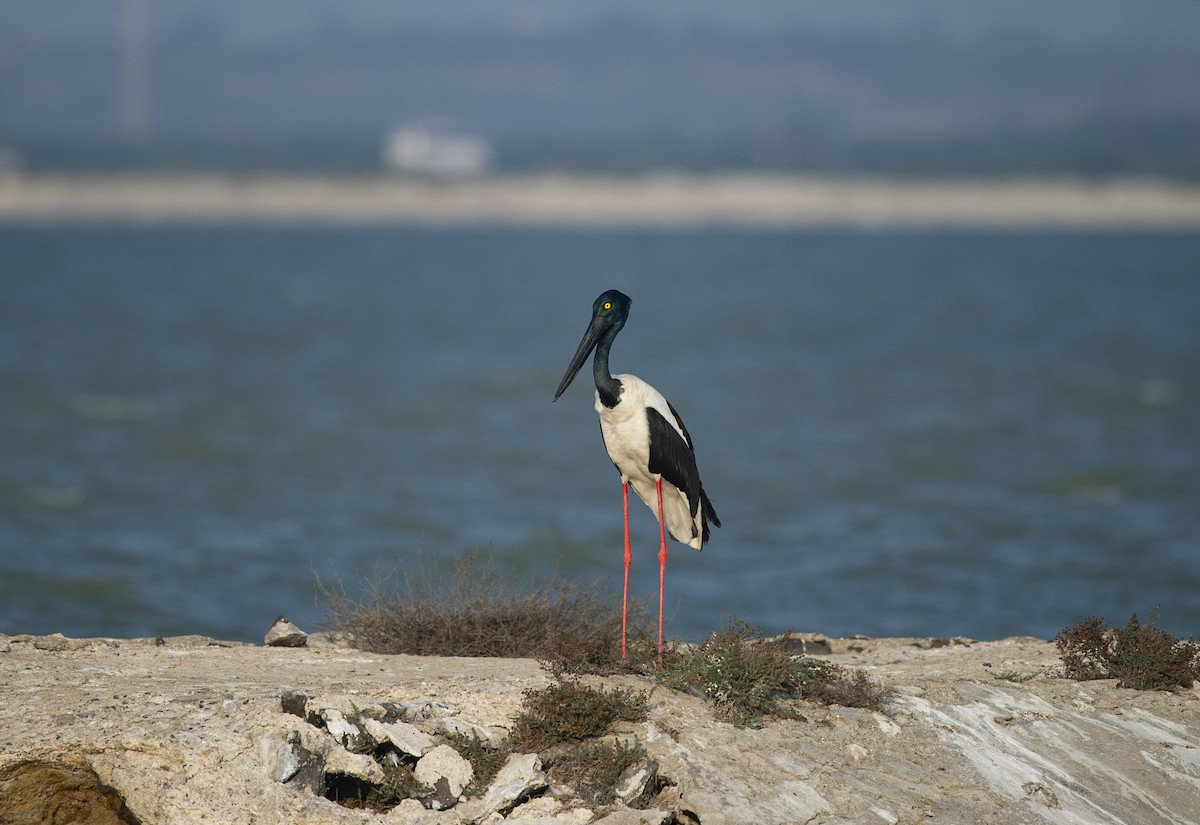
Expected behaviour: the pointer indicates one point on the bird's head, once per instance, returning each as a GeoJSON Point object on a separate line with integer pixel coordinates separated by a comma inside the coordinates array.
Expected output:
{"type": "Point", "coordinates": [611, 309]}
{"type": "Point", "coordinates": [609, 313]}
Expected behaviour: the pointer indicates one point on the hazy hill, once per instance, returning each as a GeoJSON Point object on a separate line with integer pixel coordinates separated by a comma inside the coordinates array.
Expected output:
{"type": "Point", "coordinates": [1097, 87]}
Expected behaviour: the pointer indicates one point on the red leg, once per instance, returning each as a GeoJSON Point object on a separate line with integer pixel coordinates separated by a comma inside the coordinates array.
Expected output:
{"type": "Point", "coordinates": [662, 567]}
{"type": "Point", "coordinates": [628, 559]}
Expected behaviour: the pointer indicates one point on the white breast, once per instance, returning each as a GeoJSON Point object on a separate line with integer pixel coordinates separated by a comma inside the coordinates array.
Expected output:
{"type": "Point", "coordinates": [626, 434]}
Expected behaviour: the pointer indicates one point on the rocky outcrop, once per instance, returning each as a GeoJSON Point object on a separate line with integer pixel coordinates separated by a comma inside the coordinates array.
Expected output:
{"type": "Point", "coordinates": [191, 730]}
{"type": "Point", "coordinates": [285, 634]}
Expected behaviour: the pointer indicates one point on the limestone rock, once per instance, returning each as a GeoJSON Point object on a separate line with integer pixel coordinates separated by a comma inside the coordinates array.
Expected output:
{"type": "Point", "coordinates": [412, 812]}
{"type": "Point", "coordinates": [407, 738]}
{"type": "Point", "coordinates": [1040, 794]}
{"type": "Point", "coordinates": [626, 816]}
{"type": "Point", "coordinates": [449, 724]}
{"type": "Point", "coordinates": [443, 764]}
{"type": "Point", "coordinates": [340, 728]}
{"type": "Point", "coordinates": [293, 702]}
{"type": "Point", "coordinates": [724, 771]}
{"type": "Point", "coordinates": [520, 778]}
{"type": "Point", "coordinates": [546, 810]}
{"type": "Point", "coordinates": [285, 634]}
{"type": "Point", "coordinates": [300, 766]}
{"type": "Point", "coordinates": [638, 783]}
{"type": "Point", "coordinates": [359, 765]}
{"type": "Point", "coordinates": [426, 709]}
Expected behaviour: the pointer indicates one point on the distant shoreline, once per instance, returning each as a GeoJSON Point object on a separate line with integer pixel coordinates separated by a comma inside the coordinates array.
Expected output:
{"type": "Point", "coordinates": [665, 200]}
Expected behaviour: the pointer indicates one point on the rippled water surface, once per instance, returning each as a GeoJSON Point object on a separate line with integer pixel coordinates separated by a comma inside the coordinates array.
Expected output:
{"type": "Point", "coordinates": [916, 433]}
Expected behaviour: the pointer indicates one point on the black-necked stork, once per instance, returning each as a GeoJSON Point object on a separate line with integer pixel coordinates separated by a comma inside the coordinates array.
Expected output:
{"type": "Point", "coordinates": [648, 445]}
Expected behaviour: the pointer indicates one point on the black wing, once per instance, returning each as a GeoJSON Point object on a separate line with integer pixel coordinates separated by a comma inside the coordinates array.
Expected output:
{"type": "Point", "coordinates": [672, 457]}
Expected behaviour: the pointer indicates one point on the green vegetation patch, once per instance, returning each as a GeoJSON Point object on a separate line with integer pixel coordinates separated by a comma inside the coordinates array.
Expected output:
{"type": "Point", "coordinates": [748, 677]}
{"type": "Point", "coordinates": [568, 711]}
{"type": "Point", "coordinates": [594, 769]}
{"type": "Point", "coordinates": [486, 760]}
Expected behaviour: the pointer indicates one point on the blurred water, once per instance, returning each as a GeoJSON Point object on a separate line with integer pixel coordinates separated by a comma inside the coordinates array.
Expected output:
{"type": "Point", "coordinates": [915, 433]}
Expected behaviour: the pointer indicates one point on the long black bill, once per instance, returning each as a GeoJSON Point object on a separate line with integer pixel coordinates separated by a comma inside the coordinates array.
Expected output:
{"type": "Point", "coordinates": [590, 339]}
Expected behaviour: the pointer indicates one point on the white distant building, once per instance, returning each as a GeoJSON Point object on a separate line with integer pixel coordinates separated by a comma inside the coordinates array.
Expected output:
{"type": "Point", "coordinates": [421, 151]}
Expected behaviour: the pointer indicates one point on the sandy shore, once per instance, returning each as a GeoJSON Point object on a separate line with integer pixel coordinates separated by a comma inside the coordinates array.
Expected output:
{"type": "Point", "coordinates": [660, 201]}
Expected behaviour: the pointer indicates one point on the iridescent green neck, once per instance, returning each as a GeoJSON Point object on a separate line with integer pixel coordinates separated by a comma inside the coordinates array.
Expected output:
{"type": "Point", "coordinates": [608, 387]}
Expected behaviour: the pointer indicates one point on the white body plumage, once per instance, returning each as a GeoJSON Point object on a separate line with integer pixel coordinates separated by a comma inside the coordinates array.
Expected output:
{"type": "Point", "coordinates": [630, 434]}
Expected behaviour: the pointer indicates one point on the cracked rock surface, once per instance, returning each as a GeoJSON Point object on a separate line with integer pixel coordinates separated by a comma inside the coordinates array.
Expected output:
{"type": "Point", "coordinates": [190, 730]}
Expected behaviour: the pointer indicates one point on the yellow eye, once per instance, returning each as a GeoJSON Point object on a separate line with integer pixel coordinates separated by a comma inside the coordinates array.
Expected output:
{"type": "Point", "coordinates": [608, 304]}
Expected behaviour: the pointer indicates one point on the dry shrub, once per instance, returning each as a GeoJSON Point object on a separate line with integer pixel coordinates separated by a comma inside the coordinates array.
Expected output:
{"type": "Point", "coordinates": [568, 710]}
{"type": "Point", "coordinates": [830, 684]}
{"type": "Point", "coordinates": [594, 769]}
{"type": "Point", "coordinates": [641, 659]}
{"type": "Point", "coordinates": [1085, 650]}
{"type": "Point", "coordinates": [748, 677]}
{"type": "Point", "coordinates": [469, 612]}
{"type": "Point", "coordinates": [1139, 656]}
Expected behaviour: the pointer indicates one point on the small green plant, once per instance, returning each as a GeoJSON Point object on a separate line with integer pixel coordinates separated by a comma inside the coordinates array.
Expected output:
{"type": "Point", "coordinates": [568, 710]}
{"type": "Point", "coordinates": [830, 684]}
{"type": "Point", "coordinates": [748, 677]}
{"type": "Point", "coordinates": [486, 760]}
{"type": "Point", "coordinates": [399, 783]}
{"type": "Point", "coordinates": [360, 742]}
{"type": "Point", "coordinates": [594, 768]}
{"type": "Point", "coordinates": [1139, 656]}
{"type": "Point", "coordinates": [1016, 676]}
{"type": "Point", "coordinates": [605, 660]}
